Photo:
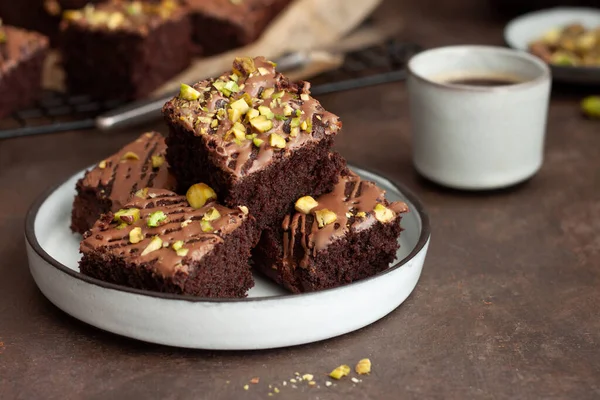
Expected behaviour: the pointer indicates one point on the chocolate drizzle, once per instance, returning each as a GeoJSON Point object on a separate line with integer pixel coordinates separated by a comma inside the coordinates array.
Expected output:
{"type": "Point", "coordinates": [118, 178]}
{"type": "Point", "coordinates": [244, 157]}
{"type": "Point", "coordinates": [349, 199]}
{"type": "Point", "coordinates": [182, 224]}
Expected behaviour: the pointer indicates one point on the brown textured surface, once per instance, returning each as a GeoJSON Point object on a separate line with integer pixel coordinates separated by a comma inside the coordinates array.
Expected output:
{"type": "Point", "coordinates": [507, 307]}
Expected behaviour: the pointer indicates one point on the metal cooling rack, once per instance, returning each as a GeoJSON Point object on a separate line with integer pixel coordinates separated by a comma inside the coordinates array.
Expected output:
{"type": "Point", "coordinates": [59, 112]}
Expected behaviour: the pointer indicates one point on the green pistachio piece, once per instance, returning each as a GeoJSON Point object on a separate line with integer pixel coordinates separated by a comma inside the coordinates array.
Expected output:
{"type": "Point", "coordinates": [206, 226]}
{"type": "Point", "coordinates": [142, 193]}
{"type": "Point", "coordinates": [155, 219]}
{"type": "Point", "coordinates": [257, 142]}
{"type": "Point", "coordinates": [276, 141]}
{"type": "Point", "coordinates": [182, 252]}
{"type": "Point", "coordinates": [238, 131]}
{"type": "Point", "coordinates": [591, 106]}
{"type": "Point", "coordinates": [136, 235]}
{"type": "Point", "coordinates": [261, 123]}
{"type": "Point", "coordinates": [177, 245]}
{"type": "Point", "coordinates": [294, 131]}
{"type": "Point", "coordinates": [186, 92]}
{"type": "Point", "coordinates": [243, 66]}
{"type": "Point", "coordinates": [287, 109]}
{"type": "Point", "coordinates": [232, 87]}
{"type": "Point", "coordinates": [266, 111]}
{"type": "Point", "coordinates": [280, 117]}
{"type": "Point", "coordinates": [278, 95]}
{"type": "Point", "coordinates": [304, 97]}
{"type": "Point", "coordinates": [157, 161]}
{"type": "Point", "coordinates": [220, 86]}
{"type": "Point", "coordinates": [211, 215]}
{"type": "Point", "coordinates": [267, 93]}
{"type": "Point", "coordinates": [127, 215]}
{"type": "Point", "coordinates": [252, 113]}
{"type": "Point", "coordinates": [155, 244]}
{"type": "Point", "coordinates": [241, 105]}
{"type": "Point", "coordinates": [295, 122]}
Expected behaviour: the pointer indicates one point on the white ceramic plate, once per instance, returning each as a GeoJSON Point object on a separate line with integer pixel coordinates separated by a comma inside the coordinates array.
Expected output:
{"type": "Point", "coordinates": [524, 29]}
{"type": "Point", "coordinates": [268, 318]}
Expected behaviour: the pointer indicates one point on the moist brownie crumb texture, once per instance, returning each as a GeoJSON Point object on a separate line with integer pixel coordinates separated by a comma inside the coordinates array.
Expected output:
{"type": "Point", "coordinates": [108, 186]}
{"type": "Point", "coordinates": [252, 152]}
{"type": "Point", "coordinates": [159, 242]}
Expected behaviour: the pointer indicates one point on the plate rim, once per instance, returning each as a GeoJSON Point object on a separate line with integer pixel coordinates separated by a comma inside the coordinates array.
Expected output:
{"type": "Point", "coordinates": [32, 240]}
{"type": "Point", "coordinates": [524, 17]}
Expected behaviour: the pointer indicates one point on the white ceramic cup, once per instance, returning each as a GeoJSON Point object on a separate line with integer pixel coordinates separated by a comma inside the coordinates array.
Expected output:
{"type": "Point", "coordinates": [477, 137]}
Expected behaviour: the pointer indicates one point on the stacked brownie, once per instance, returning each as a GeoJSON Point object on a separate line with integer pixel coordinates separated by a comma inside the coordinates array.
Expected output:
{"type": "Point", "coordinates": [22, 55]}
{"type": "Point", "coordinates": [251, 151]}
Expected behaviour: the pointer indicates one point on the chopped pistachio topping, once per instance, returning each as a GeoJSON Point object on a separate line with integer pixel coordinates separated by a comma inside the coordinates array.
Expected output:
{"type": "Point", "coordinates": [361, 214]}
{"type": "Point", "coordinates": [305, 204]}
{"type": "Point", "coordinates": [186, 223]}
{"type": "Point", "coordinates": [340, 372]}
{"type": "Point", "coordinates": [280, 117]}
{"type": "Point", "coordinates": [155, 244]}
{"type": "Point", "coordinates": [266, 111]}
{"type": "Point", "coordinates": [241, 105]}
{"type": "Point", "coordinates": [142, 193]}
{"type": "Point", "coordinates": [136, 235]}
{"type": "Point", "coordinates": [383, 214]}
{"type": "Point", "coordinates": [199, 194]}
{"type": "Point", "coordinates": [267, 93]}
{"type": "Point", "coordinates": [257, 142]}
{"type": "Point", "coordinates": [276, 141]}
{"type": "Point", "coordinates": [206, 226]}
{"type": "Point", "coordinates": [115, 20]}
{"type": "Point", "coordinates": [294, 131]}
{"type": "Point", "coordinates": [363, 366]}
{"type": "Point", "coordinates": [237, 131]}
{"type": "Point", "coordinates": [304, 97]}
{"type": "Point", "coordinates": [244, 209]}
{"type": "Point", "coordinates": [122, 225]}
{"type": "Point", "coordinates": [156, 218]}
{"type": "Point", "coordinates": [278, 95]}
{"type": "Point", "coordinates": [287, 109]}
{"type": "Point", "coordinates": [325, 217]}
{"type": "Point", "coordinates": [261, 123]}
{"type": "Point", "coordinates": [127, 215]}
{"type": "Point", "coordinates": [263, 71]}
{"type": "Point", "coordinates": [102, 164]}
{"type": "Point", "coordinates": [157, 161]}
{"type": "Point", "coordinates": [252, 113]}
{"type": "Point", "coordinates": [243, 65]}
{"type": "Point", "coordinates": [308, 377]}
{"type": "Point", "coordinates": [295, 122]}
{"type": "Point", "coordinates": [304, 125]}
{"type": "Point", "coordinates": [214, 123]}
{"type": "Point", "coordinates": [130, 155]}
{"type": "Point", "coordinates": [177, 245]}
{"type": "Point", "coordinates": [182, 252]}
{"type": "Point", "coordinates": [234, 114]}
{"type": "Point", "coordinates": [186, 92]}
{"type": "Point", "coordinates": [211, 215]}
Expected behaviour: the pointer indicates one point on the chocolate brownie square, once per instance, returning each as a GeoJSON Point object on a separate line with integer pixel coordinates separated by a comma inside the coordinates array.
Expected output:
{"type": "Point", "coordinates": [221, 25]}
{"type": "Point", "coordinates": [159, 242]}
{"type": "Point", "coordinates": [255, 137]}
{"type": "Point", "coordinates": [22, 55]}
{"type": "Point", "coordinates": [338, 238]}
{"type": "Point", "coordinates": [124, 49]}
{"type": "Point", "coordinates": [110, 184]}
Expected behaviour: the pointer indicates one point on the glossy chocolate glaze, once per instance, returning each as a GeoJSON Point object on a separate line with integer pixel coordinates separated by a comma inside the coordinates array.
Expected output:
{"type": "Point", "coordinates": [118, 178]}
{"type": "Point", "coordinates": [243, 158]}
{"type": "Point", "coordinates": [182, 223]}
{"type": "Point", "coordinates": [349, 197]}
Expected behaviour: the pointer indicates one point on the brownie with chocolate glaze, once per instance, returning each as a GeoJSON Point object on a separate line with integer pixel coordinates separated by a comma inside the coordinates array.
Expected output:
{"type": "Point", "coordinates": [124, 49]}
{"type": "Point", "coordinates": [159, 242]}
{"type": "Point", "coordinates": [110, 184]}
{"type": "Point", "coordinates": [332, 240]}
{"type": "Point", "coordinates": [255, 137]}
{"type": "Point", "coordinates": [221, 25]}
{"type": "Point", "coordinates": [22, 55]}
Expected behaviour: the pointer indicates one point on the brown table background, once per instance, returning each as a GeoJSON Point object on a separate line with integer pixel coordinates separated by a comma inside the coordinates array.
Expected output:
{"type": "Point", "coordinates": [507, 306]}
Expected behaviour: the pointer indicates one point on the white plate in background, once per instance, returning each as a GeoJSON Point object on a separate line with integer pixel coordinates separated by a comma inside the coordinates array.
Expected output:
{"type": "Point", "coordinates": [522, 30]}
